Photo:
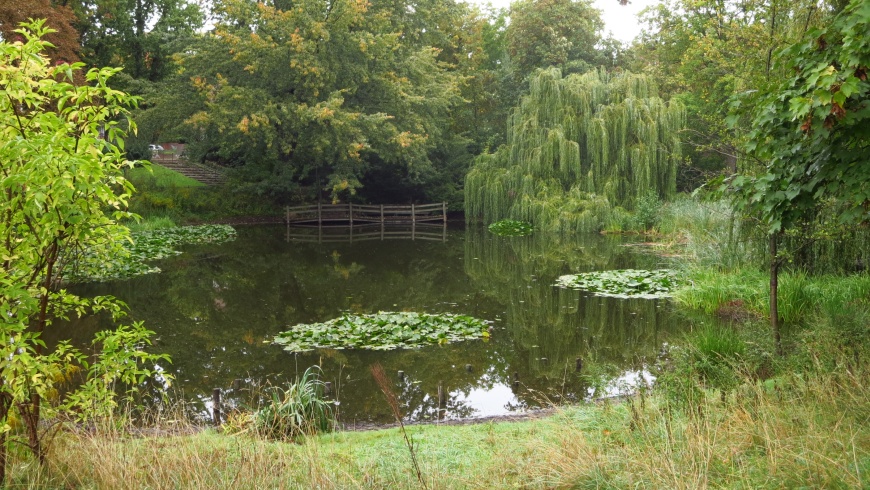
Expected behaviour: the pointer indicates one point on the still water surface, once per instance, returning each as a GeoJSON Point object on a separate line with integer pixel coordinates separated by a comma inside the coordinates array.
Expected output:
{"type": "Point", "coordinates": [215, 309]}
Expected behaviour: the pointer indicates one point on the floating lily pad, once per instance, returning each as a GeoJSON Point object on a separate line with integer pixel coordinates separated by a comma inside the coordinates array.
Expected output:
{"type": "Point", "coordinates": [625, 283]}
{"type": "Point", "coordinates": [382, 331]}
{"type": "Point", "coordinates": [509, 227]}
{"type": "Point", "coordinates": [148, 246]}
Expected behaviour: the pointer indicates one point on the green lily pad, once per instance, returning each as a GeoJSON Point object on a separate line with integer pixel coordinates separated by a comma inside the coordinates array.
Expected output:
{"type": "Point", "coordinates": [625, 283]}
{"type": "Point", "coordinates": [147, 246]}
{"type": "Point", "coordinates": [383, 331]}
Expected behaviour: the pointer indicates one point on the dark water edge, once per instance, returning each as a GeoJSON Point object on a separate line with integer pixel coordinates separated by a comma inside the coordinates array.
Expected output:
{"type": "Point", "coordinates": [215, 309]}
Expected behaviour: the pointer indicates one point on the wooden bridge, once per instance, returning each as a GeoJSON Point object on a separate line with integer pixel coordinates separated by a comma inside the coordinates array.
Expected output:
{"type": "Point", "coordinates": [359, 214]}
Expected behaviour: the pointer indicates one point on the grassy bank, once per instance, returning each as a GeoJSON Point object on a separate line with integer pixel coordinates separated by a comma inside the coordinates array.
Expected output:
{"type": "Point", "coordinates": [164, 197]}
{"type": "Point", "coordinates": [800, 296]}
{"type": "Point", "coordinates": [792, 432]}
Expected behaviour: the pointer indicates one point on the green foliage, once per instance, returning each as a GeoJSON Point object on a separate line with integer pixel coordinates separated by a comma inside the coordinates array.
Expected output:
{"type": "Point", "coordinates": [711, 357]}
{"type": "Point", "coordinates": [151, 223]}
{"type": "Point", "coordinates": [836, 338]}
{"type": "Point", "coordinates": [120, 368]}
{"type": "Point", "coordinates": [156, 176]}
{"type": "Point", "coordinates": [811, 128]}
{"type": "Point", "coordinates": [625, 283]}
{"type": "Point", "coordinates": [147, 246]}
{"type": "Point", "coordinates": [704, 52]}
{"type": "Point", "coordinates": [576, 147]}
{"type": "Point", "coordinates": [715, 352]}
{"type": "Point", "coordinates": [710, 234]}
{"type": "Point", "coordinates": [509, 227]}
{"type": "Point", "coordinates": [559, 33]}
{"type": "Point", "coordinates": [62, 191]}
{"type": "Point", "coordinates": [299, 410]}
{"type": "Point", "coordinates": [139, 35]}
{"type": "Point", "coordinates": [383, 331]}
{"type": "Point", "coordinates": [801, 296]}
{"type": "Point", "coordinates": [297, 101]}
{"type": "Point", "coordinates": [646, 211]}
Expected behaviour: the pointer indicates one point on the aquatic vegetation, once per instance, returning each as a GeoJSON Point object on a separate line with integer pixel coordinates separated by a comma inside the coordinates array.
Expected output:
{"type": "Point", "coordinates": [509, 227]}
{"type": "Point", "coordinates": [301, 409]}
{"type": "Point", "coordinates": [147, 246]}
{"type": "Point", "coordinates": [383, 331]}
{"type": "Point", "coordinates": [625, 283]}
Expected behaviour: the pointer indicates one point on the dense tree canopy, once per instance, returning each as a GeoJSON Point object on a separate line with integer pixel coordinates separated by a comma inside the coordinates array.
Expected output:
{"type": "Point", "coordinates": [705, 52]}
{"type": "Point", "coordinates": [390, 100]}
{"type": "Point", "coordinates": [315, 96]}
{"type": "Point", "coordinates": [812, 128]}
{"type": "Point", "coordinates": [61, 19]}
{"type": "Point", "coordinates": [561, 33]}
{"type": "Point", "coordinates": [134, 34]}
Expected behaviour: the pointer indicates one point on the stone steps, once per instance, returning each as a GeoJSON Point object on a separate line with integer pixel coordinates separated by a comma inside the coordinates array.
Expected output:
{"type": "Point", "coordinates": [196, 172]}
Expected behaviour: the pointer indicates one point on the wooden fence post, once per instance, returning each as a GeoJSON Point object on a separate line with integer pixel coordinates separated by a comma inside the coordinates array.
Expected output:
{"type": "Point", "coordinates": [413, 214]}
{"type": "Point", "coordinates": [444, 211]}
{"type": "Point", "coordinates": [350, 212]}
{"type": "Point", "coordinates": [216, 406]}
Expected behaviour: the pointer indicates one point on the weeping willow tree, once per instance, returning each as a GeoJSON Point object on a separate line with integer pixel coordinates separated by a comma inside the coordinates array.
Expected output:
{"type": "Point", "coordinates": [576, 148]}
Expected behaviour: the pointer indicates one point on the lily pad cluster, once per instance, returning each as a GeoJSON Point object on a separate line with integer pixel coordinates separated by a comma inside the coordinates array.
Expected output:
{"type": "Point", "coordinates": [383, 331]}
{"type": "Point", "coordinates": [509, 227]}
{"type": "Point", "coordinates": [625, 283]}
{"type": "Point", "coordinates": [148, 246]}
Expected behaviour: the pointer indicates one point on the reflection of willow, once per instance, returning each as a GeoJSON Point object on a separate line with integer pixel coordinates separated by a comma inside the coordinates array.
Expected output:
{"type": "Point", "coordinates": [555, 326]}
{"type": "Point", "coordinates": [504, 262]}
{"type": "Point", "coordinates": [561, 325]}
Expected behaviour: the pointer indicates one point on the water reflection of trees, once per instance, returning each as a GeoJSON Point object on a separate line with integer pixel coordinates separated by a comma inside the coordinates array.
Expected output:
{"type": "Point", "coordinates": [551, 327]}
{"type": "Point", "coordinates": [215, 309]}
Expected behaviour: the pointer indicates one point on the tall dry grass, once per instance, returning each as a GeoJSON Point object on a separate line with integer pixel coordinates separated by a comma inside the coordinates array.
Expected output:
{"type": "Point", "coordinates": [808, 429]}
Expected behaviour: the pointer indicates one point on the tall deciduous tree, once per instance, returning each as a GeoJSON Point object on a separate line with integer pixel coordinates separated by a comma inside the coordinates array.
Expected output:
{"type": "Point", "coordinates": [65, 39]}
{"type": "Point", "coordinates": [559, 33]}
{"type": "Point", "coordinates": [812, 132]}
{"type": "Point", "coordinates": [545, 33]}
{"type": "Point", "coordinates": [319, 96]}
{"type": "Point", "coordinates": [58, 180]}
{"type": "Point", "coordinates": [706, 51]}
{"type": "Point", "coordinates": [135, 34]}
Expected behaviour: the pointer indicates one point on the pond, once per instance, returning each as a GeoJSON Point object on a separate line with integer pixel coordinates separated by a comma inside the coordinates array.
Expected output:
{"type": "Point", "coordinates": [216, 308]}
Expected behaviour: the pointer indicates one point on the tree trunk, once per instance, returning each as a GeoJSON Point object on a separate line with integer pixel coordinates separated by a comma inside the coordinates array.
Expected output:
{"type": "Point", "coordinates": [774, 293]}
{"type": "Point", "coordinates": [5, 406]}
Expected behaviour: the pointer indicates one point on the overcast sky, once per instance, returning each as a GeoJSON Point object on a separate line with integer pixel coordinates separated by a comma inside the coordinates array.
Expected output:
{"type": "Point", "coordinates": [619, 19]}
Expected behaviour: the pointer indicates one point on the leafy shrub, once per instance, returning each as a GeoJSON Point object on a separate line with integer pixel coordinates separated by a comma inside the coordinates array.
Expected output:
{"type": "Point", "coordinates": [509, 227]}
{"type": "Point", "coordinates": [623, 283]}
{"type": "Point", "coordinates": [299, 410]}
{"type": "Point", "coordinates": [646, 211]}
{"type": "Point", "coordinates": [382, 331]}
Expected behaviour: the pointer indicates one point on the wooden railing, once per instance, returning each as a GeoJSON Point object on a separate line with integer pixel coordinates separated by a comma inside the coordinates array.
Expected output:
{"type": "Point", "coordinates": [364, 213]}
